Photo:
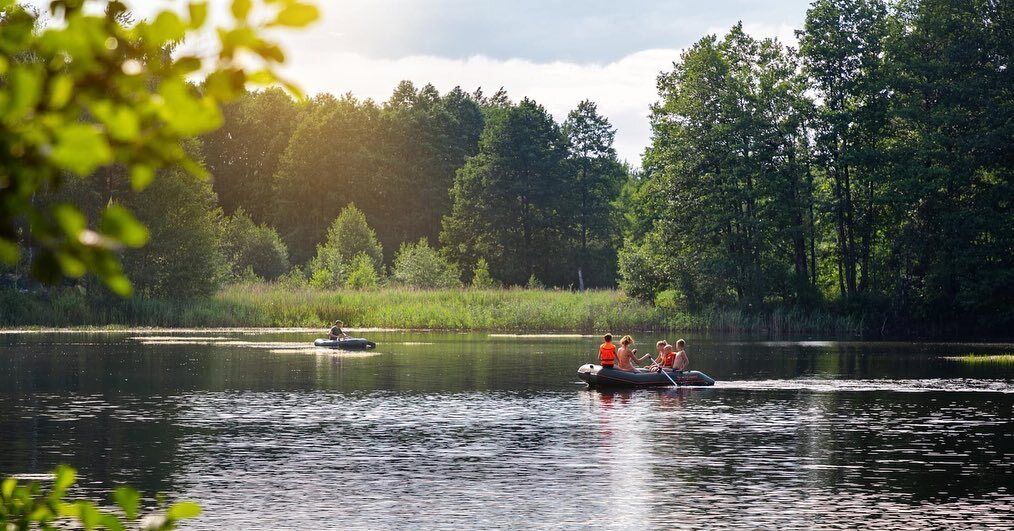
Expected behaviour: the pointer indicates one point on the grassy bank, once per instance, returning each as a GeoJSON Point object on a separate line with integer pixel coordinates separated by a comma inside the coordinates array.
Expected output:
{"type": "Point", "coordinates": [269, 305]}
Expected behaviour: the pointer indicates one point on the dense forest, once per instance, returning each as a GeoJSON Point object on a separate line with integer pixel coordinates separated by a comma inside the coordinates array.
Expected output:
{"type": "Point", "coordinates": [866, 170]}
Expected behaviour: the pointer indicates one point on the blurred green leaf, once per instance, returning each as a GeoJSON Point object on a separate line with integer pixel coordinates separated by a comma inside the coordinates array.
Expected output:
{"type": "Point", "coordinates": [167, 27]}
{"type": "Point", "coordinates": [241, 9]}
{"type": "Point", "coordinates": [26, 88]}
{"type": "Point", "coordinates": [70, 265]}
{"type": "Point", "coordinates": [117, 222]}
{"type": "Point", "coordinates": [64, 478]}
{"type": "Point", "coordinates": [226, 84]}
{"type": "Point", "coordinates": [81, 148]}
{"type": "Point", "coordinates": [9, 252]}
{"type": "Point", "coordinates": [121, 122]}
{"type": "Point", "coordinates": [127, 499]}
{"type": "Point", "coordinates": [7, 488]}
{"type": "Point", "coordinates": [187, 114]}
{"type": "Point", "coordinates": [60, 90]}
{"type": "Point", "coordinates": [70, 219]}
{"type": "Point", "coordinates": [296, 15]}
{"type": "Point", "coordinates": [198, 13]}
{"type": "Point", "coordinates": [183, 509]}
{"type": "Point", "coordinates": [118, 284]}
{"type": "Point", "coordinates": [141, 175]}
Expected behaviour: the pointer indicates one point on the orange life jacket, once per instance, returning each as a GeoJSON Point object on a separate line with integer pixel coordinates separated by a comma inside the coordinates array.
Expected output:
{"type": "Point", "coordinates": [668, 359]}
{"type": "Point", "coordinates": [607, 354]}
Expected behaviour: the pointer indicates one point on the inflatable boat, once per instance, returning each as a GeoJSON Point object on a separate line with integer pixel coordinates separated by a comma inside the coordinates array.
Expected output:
{"type": "Point", "coordinates": [352, 343]}
{"type": "Point", "coordinates": [598, 376]}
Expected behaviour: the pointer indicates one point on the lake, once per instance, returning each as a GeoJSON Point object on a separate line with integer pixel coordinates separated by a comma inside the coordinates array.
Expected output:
{"type": "Point", "coordinates": [439, 430]}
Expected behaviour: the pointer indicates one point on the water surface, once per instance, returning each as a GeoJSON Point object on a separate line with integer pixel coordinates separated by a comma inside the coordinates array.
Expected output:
{"type": "Point", "coordinates": [478, 430]}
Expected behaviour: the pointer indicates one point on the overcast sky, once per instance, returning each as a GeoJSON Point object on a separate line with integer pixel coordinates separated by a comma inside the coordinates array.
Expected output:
{"type": "Point", "coordinates": [556, 52]}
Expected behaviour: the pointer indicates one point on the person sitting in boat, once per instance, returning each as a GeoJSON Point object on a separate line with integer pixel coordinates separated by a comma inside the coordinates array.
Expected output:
{"type": "Point", "coordinates": [625, 355]}
{"type": "Point", "coordinates": [607, 352]}
{"type": "Point", "coordinates": [681, 361]}
{"type": "Point", "coordinates": [657, 362]}
{"type": "Point", "coordinates": [337, 332]}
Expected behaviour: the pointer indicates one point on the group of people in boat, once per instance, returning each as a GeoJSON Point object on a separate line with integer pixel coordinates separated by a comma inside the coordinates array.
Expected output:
{"type": "Point", "coordinates": [625, 358]}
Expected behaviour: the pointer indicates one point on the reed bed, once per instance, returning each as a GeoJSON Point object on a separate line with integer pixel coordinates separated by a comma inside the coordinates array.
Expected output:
{"type": "Point", "coordinates": [506, 310]}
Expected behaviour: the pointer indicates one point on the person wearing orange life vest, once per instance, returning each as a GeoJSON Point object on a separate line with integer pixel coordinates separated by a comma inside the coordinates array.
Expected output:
{"type": "Point", "coordinates": [607, 352]}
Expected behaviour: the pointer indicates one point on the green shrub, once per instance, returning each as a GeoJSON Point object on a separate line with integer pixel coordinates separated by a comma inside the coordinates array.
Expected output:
{"type": "Point", "coordinates": [420, 266]}
{"type": "Point", "coordinates": [248, 246]}
{"type": "Point", "coordinates": [362, 273]}
{"type": "Point", "coordinates": [481, 278]}
{"type": "Point", "coordinates": [349, 236]}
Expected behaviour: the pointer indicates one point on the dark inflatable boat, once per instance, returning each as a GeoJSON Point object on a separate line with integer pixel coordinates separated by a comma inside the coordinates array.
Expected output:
{"type": "Point", "coordinates": [597, 376]}
{"type": "Point", "coordinates": [352, 343]}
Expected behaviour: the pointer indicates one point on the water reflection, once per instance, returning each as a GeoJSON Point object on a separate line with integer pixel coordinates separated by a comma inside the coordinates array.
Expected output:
{"type": "Point", "coordinates": [443, 430]}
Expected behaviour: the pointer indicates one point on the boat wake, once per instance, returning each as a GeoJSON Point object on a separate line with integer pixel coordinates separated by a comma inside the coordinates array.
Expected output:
{"type": "Point", "coordinates": [826, 385]}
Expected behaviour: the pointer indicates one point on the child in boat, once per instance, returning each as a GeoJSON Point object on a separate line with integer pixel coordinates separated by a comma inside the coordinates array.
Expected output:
{"type": "Point", "coordinates": [681, 361]}
{"type": "Point", "coordinates": [336, 331]}
{"type": "Point", "coordinates": [607, 352]}
{"type": "Point", "coordinates": [627, 355]}
{"type": "Point", "coordinates": [660, 348]}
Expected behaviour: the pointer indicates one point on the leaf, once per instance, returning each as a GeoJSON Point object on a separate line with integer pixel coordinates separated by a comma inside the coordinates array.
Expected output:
{"type": "Point", "coordinates": [198, 14]}
{"type": "Point", "coordinates": [167, 27]}
{"type": "Point", "coordinates": [70, 219]}
{"type": "Point", "coordinates": [70, 265]}
{"type": "Point", "coordinates": [7, 488]}
{"type": "Point", "coordinates": [241, 9]}
{"type": "Point", "coordinates": [64, 478]}
{"type": "Point", "coordinates": [117, 222]}
{"type": "Point", "coordinates": [186, 114]}
{"type": "Point", "coordinates": [119, 284]}
{"type": "Point", "coordinates": [183, 509]}
{"type": "Point", "coordinates": [26, 88]}
{"type": "Point", "coordinates": [226, 84]}
{"type": "Point", "coordinates": [141, 175]}
{"type": "Point", "coordinates": [296, 15]}
{"type": "Point", "coordinates": [127, 499]}
{"type": "Point", "coordinates": [80, 148]}
{"type": "Point", "coordinates": [121, 122]}
{"type": "Point", "coordinates": [60, 90]}
{"type": "Point", "coordinates": [9, 252]}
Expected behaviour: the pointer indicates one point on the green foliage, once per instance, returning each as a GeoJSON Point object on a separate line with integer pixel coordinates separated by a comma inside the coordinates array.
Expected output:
{"type": "Point", "coordinates": [727, 164]}
{"type": "Point", "coordinates": [248, 246]}
{"type": "Point", "coordinates": [481, 278]}
{"type": "Point", "coordinates": [243, 155]}
{"type": "Point", "coordinates": [362, 273]}
{"type": "Point", "coordinates": [184, 258]}
{"type": "Point", "coordinates": [420, 266]}
{"type": "Point", "coordinates": [27, 506]}
{"type": "Point", "coordinates": [513, 201]}
{"type": "Point", "coordinates": [88, 90]}
{"type": "Point", "coordinates": [349, 236]}
{"type": "Point", "coordinates": [599, 177]}
{"type": "Point", "coordinates": [395, 161]}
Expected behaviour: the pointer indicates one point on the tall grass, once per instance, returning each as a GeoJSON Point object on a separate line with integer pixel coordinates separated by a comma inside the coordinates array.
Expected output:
{"type": "Point", "coordinates": [517, 309]}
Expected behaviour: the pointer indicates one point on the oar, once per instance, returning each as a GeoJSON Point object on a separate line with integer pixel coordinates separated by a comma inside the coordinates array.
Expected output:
{"type": "Point", "coordinates": [662, 370]}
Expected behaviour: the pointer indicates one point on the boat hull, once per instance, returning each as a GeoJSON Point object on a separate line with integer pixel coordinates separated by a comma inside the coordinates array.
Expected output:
{"type": "Point", "coordinates": [352, 343]}
{"type": "Point", "coordinates": [598, 376]}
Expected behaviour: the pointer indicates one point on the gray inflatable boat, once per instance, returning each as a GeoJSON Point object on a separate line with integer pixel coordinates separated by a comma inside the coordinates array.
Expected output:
{"type": "Point", "coordinates": [352, 343]}
{"type": "Point", "coordinates": [598, 376]}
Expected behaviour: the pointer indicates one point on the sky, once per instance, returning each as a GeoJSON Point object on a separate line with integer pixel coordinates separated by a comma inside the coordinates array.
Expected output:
{"type": "Point", "coordinates": [554, 51]}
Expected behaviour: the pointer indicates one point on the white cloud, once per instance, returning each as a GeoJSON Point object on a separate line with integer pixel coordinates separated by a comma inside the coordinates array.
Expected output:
{"type": "Point", "coordinates": [623, 89]}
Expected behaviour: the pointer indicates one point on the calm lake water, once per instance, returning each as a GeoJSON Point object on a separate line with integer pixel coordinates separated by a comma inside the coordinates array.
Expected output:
{"type": "Point", "coordinates": [438, 430]}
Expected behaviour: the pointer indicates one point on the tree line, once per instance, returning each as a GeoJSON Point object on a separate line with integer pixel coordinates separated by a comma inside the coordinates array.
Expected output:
{"type": "Point", "coordinates": [871, 167]}
{"type": "Point", "coordinates": [867, 169]}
